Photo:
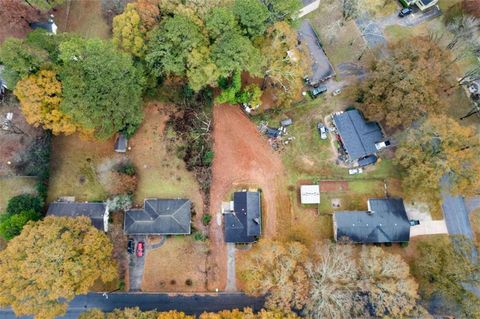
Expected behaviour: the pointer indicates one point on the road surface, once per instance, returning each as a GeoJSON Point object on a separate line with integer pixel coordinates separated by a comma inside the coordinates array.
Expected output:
{"type": "Point", "coordinates": [194, 304]}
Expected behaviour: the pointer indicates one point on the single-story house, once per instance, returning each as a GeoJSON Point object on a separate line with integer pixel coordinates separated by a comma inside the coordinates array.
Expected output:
{"type": "Point", "coordinates": [121, 143]}
{"type": "Point", "coordinates": [361, 140]}
{"type": "Point", "coordinates": [310, 194]}
{"type": "Point", "coordinates": [321, 69]}
{"type": "Point", "coordinates": [160, 217]}
{"type": "Point", "coordinates": [48, 26]}
{"type": "Point", "coordinates": [243, 219]}
{"type": "Point", "coordinates": [308, 6]}
{"type": "Point", "coordinates": [385, 221]}
{"type": "Point", "coordinates": [97, 212]}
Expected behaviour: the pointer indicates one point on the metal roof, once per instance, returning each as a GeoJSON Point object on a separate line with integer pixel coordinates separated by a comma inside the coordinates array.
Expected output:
{"type": "Point", "coordinates": [310, 194]}
{"type": "Point", "coordinates": [385, 222]}
{"type": "Point", "coordinates": [244, 224]}
{"type": "Point", "coordinates": [121, 143]}
{"type": "Point", "coordinates": [95, 211]}
{"type": "Point", "coordinates": [358, 136]}
{"type": "Point", "coordinates": [161, 217]}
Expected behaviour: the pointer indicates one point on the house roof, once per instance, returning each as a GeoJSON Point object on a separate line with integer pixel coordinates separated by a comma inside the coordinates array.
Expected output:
{"type": "Point", "coordinates": [385, 222]}
{"type": "Point", "coordinates": [358, 136]}
{"type": "Point", "coordinates": [243, 225]}
{"type": "Point", "coordinates": [321, 66]}
{"type": "Point", "coordinates": [95, 211]}
{"type": "Point", "coordinates": [307, 2]}
{"type": "Point", "coordinates": [48, 26]}
{"type": "Point", "coordinates": [121, 143]}
{"type": "Point", "coordinates": [160, 216]}
{"type": "Point", "coordinates": [310, 194]}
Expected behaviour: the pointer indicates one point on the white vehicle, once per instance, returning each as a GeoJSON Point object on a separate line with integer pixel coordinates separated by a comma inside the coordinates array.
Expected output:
{"type": "Point", "coordinates": [337, 92]}
{"type": "Point", "coordinates": [322, 130]}
{"type": "Point", "coordinates": [354, 171]}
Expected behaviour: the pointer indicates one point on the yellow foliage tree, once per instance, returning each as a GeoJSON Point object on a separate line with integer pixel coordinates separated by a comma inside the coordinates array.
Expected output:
{"type": "Point", "coordinates": [129, 32]}
{"type": "Point", "coordinates": [50, 262]}
{"type": "Point", "coordinates": [40, 96]}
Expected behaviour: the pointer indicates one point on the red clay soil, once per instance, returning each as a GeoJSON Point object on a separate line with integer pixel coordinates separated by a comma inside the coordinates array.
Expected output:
{"type": "Point", "coordinates": [333, 186]}
{"type": "Point", "coordinates": [243, 158]}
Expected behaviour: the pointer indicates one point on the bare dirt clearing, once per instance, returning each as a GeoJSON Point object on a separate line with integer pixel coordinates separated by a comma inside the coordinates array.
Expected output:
{"type": "Point", "coordinates": [243, 158]}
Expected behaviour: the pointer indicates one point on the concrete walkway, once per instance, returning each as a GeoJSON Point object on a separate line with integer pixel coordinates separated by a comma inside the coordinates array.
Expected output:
{"type": "Point", "coordinates": [231, 276]}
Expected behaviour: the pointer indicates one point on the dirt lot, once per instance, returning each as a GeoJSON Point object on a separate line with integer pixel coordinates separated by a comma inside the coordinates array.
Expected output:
{"type": "Point", "coordinates": [243, 157]}
{"type": "Point", "coordinates": [178, 265]}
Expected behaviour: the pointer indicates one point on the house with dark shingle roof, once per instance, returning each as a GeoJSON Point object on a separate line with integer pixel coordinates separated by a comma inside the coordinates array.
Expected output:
{"type": "Point", "coordinates": [97, 212]}
{"type": "Point", "coordinates": [359, 138]}
{"type": "Point", "coordinates": [242, 223]}
{"type": "Point", "coordinates": [160, 217]}
{"type": "Point", "coordinates": [385, 221]}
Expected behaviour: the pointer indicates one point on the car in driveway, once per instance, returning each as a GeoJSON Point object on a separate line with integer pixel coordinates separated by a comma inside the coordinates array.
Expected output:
{"type": "Point", "coordinates": [354, 171]}
{"type": "Point", "coordinates": [414, 222]}
{"type": "Point", "coordinates": [140, 248]}
{"type": "Point", "coordinates": [317, 91]}
{"type": "Point", "coordinates": [322, 130]}
{"type": "Point", "coordinates": [405, 12]}
{"type": "Point", "coordinates": [131, 246]}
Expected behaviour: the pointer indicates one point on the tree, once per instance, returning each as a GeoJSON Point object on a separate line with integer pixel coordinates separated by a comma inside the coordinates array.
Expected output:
{"type": "Point", "coordinates": [439, 146]}
{"type": "Point", "coordinates": [24, 202]}
{"type": "Point", "coordinates": [472, 7]}
{"type": "Point", "coordinates": [20, 60]}
{"type": "Point", "coordinates": [286, 64]}
{"type": "Point", "coordinates": [277, 269]}
{"type": "Point", "coordinates": [149, 13]}
{"type": "Point", "coordinates": [219, 21]}
{"type": "Point", "coordinates": [40, 96]}
{"type": "Point", "coordinates": [202, 71]}
{"type": "Point", "coordinates": [50, 262]}
{"type": "Point", "coordinates": [252, 16]}
{"type": "Point", "coordinates": [11, 225]}
{"type": "Point", "coordinates": [282, 10]}
{"type": "Point", "coordinates": [386, 286]}
{"type": "Point", "coordinates": [234, 52]}
{"type": "Point", "coordinates": [444, 266]}
{"type": "Point", "coordinates": [102, 89]}
{"type": "Point", "coordinates": [171, 43]}
{"type": "Point", "coordinates": [128, 32]}
{"type": "Point", "coordinates": [44, 5]}
{"type": "Point", "coordinates": [350, 9]}
{"type": "Point", "coordinates": [399, 88]}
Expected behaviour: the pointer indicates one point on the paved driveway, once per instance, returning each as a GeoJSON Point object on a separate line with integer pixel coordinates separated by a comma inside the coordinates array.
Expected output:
{"type": "Point", "coordinates": [427, 225]}
{"type": "Point", "coordinates": [136, 266]}
{"type": "Point", "coordinates": [231, 277]}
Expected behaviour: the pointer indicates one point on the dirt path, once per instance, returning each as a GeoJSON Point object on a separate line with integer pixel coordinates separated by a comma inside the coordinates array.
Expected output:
{"type": "Point", "coordinates": [243, 158]}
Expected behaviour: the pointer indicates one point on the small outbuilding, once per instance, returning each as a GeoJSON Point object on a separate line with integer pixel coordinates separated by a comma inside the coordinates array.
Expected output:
{"type": "Point", "coordinates": [121, 143]}
{"type": "Point", "coordinates": [310, 194]}
{"type": "Point", "coordinates": [49, 26]}
{"type": "Point", "coordinates": [97, 212]}
{"type": "Point", "coordinates": [3, 83]}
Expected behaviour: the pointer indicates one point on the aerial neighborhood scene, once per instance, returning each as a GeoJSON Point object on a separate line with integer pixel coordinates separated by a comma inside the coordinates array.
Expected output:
{"type": "Point", "coordinates": [258, 159]}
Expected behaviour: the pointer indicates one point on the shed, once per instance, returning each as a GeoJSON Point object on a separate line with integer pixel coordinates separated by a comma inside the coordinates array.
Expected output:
{"type": "Point", "coordinates": [286, 122]}
{"type": "Point", "coordinates": [121, 143]}
{"type": "Point", "coordinates": [48, 26]}
{"type": "Point", "coordinates": [310, 194]}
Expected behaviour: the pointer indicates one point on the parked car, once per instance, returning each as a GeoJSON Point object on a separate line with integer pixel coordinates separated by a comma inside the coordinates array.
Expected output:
{"type": "Point", "coordinates": [140, 248]}
{"type": "Point", "coordinates": [315, 92]}
{"type": "Point", "coordinates": [414, 222]}
{"type": "Point", "coordinates": [405, 12]}
{"type": "Point", "coordinates": [322, 130]}
{"type": "Point", "coordinates": [354, 171]}
{"type": "Point", "coordinates": [337, 92]}
{"type": "Point", "coordinates": [131, 246]}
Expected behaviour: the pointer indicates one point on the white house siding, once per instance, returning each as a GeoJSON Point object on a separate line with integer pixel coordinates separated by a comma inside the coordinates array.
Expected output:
{"type": "Point", "coordinates": [309, 8]}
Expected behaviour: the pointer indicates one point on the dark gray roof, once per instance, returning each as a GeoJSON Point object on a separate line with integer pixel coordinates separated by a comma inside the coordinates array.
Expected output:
{"type": "Point", "coordinates": [321, 67]}
{"type": "Point", "coordinates": [3, 83]}
{"type": "Point", "coordinates": [121, 143]}
{"type": "Point", "coordinates": [358, 136]}
{"type": "Point", "coordinates": [244, 224]}
{"type": "Point", "coordinates": [386, 222]}
{"type": "Point", "coordinates": [307, 2]}
{"type": "Point", "coordinates": [95, 211]}
{"type": "Point", "coordinates": [47, 26]}
{"type": "Point", "coordinates": [160, 216]}
{"type": "Point", "coordinates": [371, 159]}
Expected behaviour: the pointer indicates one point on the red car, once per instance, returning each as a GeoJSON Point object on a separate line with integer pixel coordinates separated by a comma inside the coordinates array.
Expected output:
{"type": "Point", "coordinates": [140, 247]}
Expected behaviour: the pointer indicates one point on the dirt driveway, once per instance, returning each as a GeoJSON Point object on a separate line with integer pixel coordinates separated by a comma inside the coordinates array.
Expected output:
{"type": "Point", "coordinates": [243, 158]}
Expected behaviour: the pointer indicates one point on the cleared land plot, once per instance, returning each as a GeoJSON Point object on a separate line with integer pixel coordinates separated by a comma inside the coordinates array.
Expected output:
{"type": "Point", "coordinates": [177, 266]}
{"type": "Point", "coordinates": [83, 17]}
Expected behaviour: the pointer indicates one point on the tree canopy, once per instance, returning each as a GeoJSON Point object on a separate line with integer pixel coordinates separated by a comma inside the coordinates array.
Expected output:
{"type": "Point", "coordinates": [399, 88]}
{"type": "Point", "coordinates": [102, 88]}
{"type": "Point", "coordinates": [50, 262]}
{"type": "Point", "coordinates": [439, 146]}
{"type": "Point", "coordinates": [128, 31]}
{"type": "Point", "coordinates": [252, 16]}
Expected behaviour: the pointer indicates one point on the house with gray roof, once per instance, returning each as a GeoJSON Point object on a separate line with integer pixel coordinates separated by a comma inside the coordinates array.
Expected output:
{"type": "Point", "coordinates": [242, 221]}
{"type": "Point", "coordinates": [49, 25]}
{"type": "Point", "coordinates": [160, 217]}
{"type": "Point", "coordinates": [359, 139]}
{"type": "Point", "coordinates": [97, 212]}
{"type": "Point", "coordinates": [385, 221]}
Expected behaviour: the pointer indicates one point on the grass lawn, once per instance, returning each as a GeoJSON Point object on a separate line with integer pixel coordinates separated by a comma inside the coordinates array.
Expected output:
{"type": "Point", "coordinates": [83, 17]}
{"type": "Point", "coordinates": [169, 267]}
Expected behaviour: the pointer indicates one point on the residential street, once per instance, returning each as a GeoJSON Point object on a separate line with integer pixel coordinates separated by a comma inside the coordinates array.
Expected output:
{"type": "Point", "coordinates": [194, 304]}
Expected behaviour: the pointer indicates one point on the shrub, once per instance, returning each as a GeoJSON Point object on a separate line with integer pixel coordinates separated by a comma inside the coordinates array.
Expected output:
{"type": "Point", "coordinates": [188, 282]}
{"type": "Point", "coordinates": [206, 219]}
{"type": "Point", "coordinates": [123, 183]}
{"type": "Point", "coordinates": [199, 236]}
{"type": "Point", "coordinates": [12, 225]}
{"type": "Point", "coordinates": [127, 169]}
{"type": "Point", "coordinates": [119, 202]}
{"type": "Point", "coordinates": [24, 202]}
{"type": "Point", "coordinates": [208, 158]}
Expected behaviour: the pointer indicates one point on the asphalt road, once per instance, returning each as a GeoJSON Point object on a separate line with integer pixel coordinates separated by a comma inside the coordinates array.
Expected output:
{"type": "Point", "coordinates": [194, 304]}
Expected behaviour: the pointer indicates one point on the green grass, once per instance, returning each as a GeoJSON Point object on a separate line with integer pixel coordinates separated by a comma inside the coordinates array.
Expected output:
{"type": "Point", "coordinates": [15, 185]}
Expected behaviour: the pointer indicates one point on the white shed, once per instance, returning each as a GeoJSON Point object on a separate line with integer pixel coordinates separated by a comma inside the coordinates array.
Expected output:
{"type": "Point", "coordinates": [310, 194]}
